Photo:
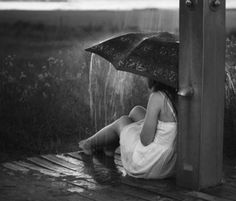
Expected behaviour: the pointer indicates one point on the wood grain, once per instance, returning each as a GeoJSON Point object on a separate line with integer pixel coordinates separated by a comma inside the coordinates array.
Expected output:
{"type": "Point", "coordinates": [201, 66]}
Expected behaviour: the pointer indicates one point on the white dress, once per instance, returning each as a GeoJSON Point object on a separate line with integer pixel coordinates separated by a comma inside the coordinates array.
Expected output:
{"type": "Point", "coordinates": [156, 160]}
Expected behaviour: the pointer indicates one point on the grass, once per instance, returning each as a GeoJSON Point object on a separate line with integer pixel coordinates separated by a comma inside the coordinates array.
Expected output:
{"type": "Point", "coordinates": [42, 98]}
{"type": "Point", "coordinates": [44, 78]}
{"type": "Point", "coordinates": [230, 97]}
{"type": "Point", "coordinates": [44, 75]}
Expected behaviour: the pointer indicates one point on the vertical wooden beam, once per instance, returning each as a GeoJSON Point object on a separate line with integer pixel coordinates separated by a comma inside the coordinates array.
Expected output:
{"type": "Point", "coordinates": [202, 53]}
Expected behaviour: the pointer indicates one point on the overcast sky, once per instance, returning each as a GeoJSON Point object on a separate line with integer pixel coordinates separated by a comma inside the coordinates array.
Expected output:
{"type": "Point", "coordinates": [94, 4]}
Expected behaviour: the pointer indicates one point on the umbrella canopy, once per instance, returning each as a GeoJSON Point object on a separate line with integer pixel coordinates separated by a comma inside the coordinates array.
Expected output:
{"type": "Point", "coordinates": [153, 55]}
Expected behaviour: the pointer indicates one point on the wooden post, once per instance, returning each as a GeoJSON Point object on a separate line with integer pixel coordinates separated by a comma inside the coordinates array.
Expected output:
{"type": "Point", "coordinates": [201, 69]}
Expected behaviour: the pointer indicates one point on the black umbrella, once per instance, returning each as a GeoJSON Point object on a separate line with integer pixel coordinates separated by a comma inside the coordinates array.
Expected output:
{"type": "Point", "coordinates": [153, 55]}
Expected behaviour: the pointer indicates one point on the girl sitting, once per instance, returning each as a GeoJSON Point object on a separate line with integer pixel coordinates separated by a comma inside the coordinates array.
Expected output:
{"type": "Point", "coordinates": [147, 137]}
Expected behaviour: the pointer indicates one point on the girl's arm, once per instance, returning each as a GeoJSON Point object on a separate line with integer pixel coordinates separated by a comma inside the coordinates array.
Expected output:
{"type": "Point", "coordinates": [155, 103]}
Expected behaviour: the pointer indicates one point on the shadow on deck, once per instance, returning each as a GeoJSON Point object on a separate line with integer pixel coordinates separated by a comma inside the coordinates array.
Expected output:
{"type": "Point", "coordinates": [74, 176]}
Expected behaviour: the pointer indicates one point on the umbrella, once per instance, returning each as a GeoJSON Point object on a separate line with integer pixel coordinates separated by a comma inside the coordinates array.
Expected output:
{"type": "Point", "coordinates": [153, 55]}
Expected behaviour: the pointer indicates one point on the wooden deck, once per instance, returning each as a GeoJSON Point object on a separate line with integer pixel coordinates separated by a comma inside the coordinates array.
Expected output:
{"type": "Point", "coordinates": [100, 178]}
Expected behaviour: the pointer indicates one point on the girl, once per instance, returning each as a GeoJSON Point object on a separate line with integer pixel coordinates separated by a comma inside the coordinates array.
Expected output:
{"type": "Point", "coordinates": [147, 137]}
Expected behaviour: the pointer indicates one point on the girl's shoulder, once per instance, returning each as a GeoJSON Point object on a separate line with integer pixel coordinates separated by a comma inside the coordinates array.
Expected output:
{"type": "Point", "coordinates": [157, 95]}
{"type": "Point", "coordinates": [168, 111]}
{"type": "Point", "coordinates": [156, 99]}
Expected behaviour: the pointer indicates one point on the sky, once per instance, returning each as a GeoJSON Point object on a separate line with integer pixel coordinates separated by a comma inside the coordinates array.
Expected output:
{"type": "Point", "coordinates": [94, 4]}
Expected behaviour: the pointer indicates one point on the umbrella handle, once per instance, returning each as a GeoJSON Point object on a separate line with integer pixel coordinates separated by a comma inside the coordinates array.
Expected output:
{"type": "Point", "coordinates": [186, 92]}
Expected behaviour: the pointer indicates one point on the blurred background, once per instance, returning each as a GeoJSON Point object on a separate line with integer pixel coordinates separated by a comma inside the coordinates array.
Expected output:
{"type": "Point", "coordinates": [53, 93]}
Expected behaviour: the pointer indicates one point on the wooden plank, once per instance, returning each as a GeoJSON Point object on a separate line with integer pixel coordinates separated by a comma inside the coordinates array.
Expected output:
{"type": "Point", "coordinates": [30, 187]}
{"type": "Point", "coordinates": [158, 188]}
{"type": "Point", "coordinates": [85, 182]}
{"type": "Point", "coordinates": [78, 196]}
{"type": "Point", "coordinates": [38, 168]}
{"type": "Point", "coordinates": [89, 184]}
{"type": "Point", "coordinates": [206, 196]}
{"type": "Point", "coordinates": [165, 188]}
{"type": "Point", "coordinates": [92, 169]}
{"type": "Point", "coordinates": [119, 188]}
{"type": "Point", "coordinates": [76, 159]}
{"type": "Point", "coordinates": [107, 194]}
{"type": "Point", "coordinates": [168, 189]}
{"type": "Point", "coordinates": [77, 191]}
{"type": "Point", "coordinates": [117, 162]}
{"type": "Point", "coordinates": [130, 187]}
{"type": "Point", "coordinates": [117, 191]}
{"type": "Point", "coordinates": [54, 167]}
{"type": "Point", "coordinates": [70, 159]}
{"type": "Point", "coordinates": [201, 66]}
{"type": "Point", "coordinates": [177, 193]}
{"type": "Point", "coordinates": [15, 167]}
{"type": "Point", "coordinates": [79, 156]}
{"type": "Point", "coordinates": [141, 193]}
{"type": "Point", "coordinates": [61, 162]}
{"type": "Point", "coordinates": [154, 188]}
{"type": "Point", "coordinates": [222, 191]}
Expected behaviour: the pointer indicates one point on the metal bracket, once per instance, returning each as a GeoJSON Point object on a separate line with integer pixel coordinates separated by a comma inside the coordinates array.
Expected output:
{"type": "Point", "coordinates": [186, 92]}
{"type": "Point", "coordinates": [214, 4]}
{"type": "Point", "coordinates": [191, 4]}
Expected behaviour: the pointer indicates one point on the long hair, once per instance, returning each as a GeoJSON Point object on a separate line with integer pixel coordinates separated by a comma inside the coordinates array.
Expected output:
{"type": "Point", "coordinates": [169, 91]}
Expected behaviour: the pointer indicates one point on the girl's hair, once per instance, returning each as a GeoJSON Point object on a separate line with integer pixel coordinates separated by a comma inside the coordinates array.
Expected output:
{"type": "Point", "coordinates": [169, 91]}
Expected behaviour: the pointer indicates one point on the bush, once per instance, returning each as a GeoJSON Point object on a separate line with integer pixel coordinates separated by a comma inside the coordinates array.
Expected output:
{"type": "Point", "coordinates": [45, 102]}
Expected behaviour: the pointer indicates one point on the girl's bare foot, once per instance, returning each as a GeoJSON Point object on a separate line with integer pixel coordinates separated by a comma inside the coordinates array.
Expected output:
{"type": "Point", "coordinates": [85, 146]}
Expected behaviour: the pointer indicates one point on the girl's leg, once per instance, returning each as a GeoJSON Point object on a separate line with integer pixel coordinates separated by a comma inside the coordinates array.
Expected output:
{"type": "Point", "coordinates": [107, 137]}
{"type": "Point", "coordinates": [137, 113]}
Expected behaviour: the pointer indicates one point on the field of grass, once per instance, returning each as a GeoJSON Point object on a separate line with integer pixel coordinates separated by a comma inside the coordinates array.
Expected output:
{"type": "Point", "coordinates": [44, 75]}
{"type": "Point", "coordinates": [44, 81]}
{"type": "Point", "coordinates": [42, 95]}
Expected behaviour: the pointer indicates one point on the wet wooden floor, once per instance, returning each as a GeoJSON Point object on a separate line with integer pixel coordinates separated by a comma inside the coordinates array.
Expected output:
{"type": "Point", "coordinates": [102, 178]}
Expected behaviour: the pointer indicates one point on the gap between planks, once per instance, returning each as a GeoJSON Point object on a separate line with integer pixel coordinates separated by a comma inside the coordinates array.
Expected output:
{"type": "Point", "coordinates": [89, 184]}
{"type": "Point", "coordinates": [51, 163]}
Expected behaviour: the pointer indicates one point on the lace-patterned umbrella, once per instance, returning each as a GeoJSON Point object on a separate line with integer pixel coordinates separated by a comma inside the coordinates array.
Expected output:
{"type": "Point", "coordinates": [153, 55]}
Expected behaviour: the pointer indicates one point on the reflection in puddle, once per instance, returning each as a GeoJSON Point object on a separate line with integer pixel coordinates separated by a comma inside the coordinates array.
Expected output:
{"type": "Point", "coordinates": [75, 190]}
{"type": "Point", "coordinates": [69, 159]}
{"type": "Point", "coordinates": [59, 184]}
{"type": "Point", "coordinates": [103, 170]}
